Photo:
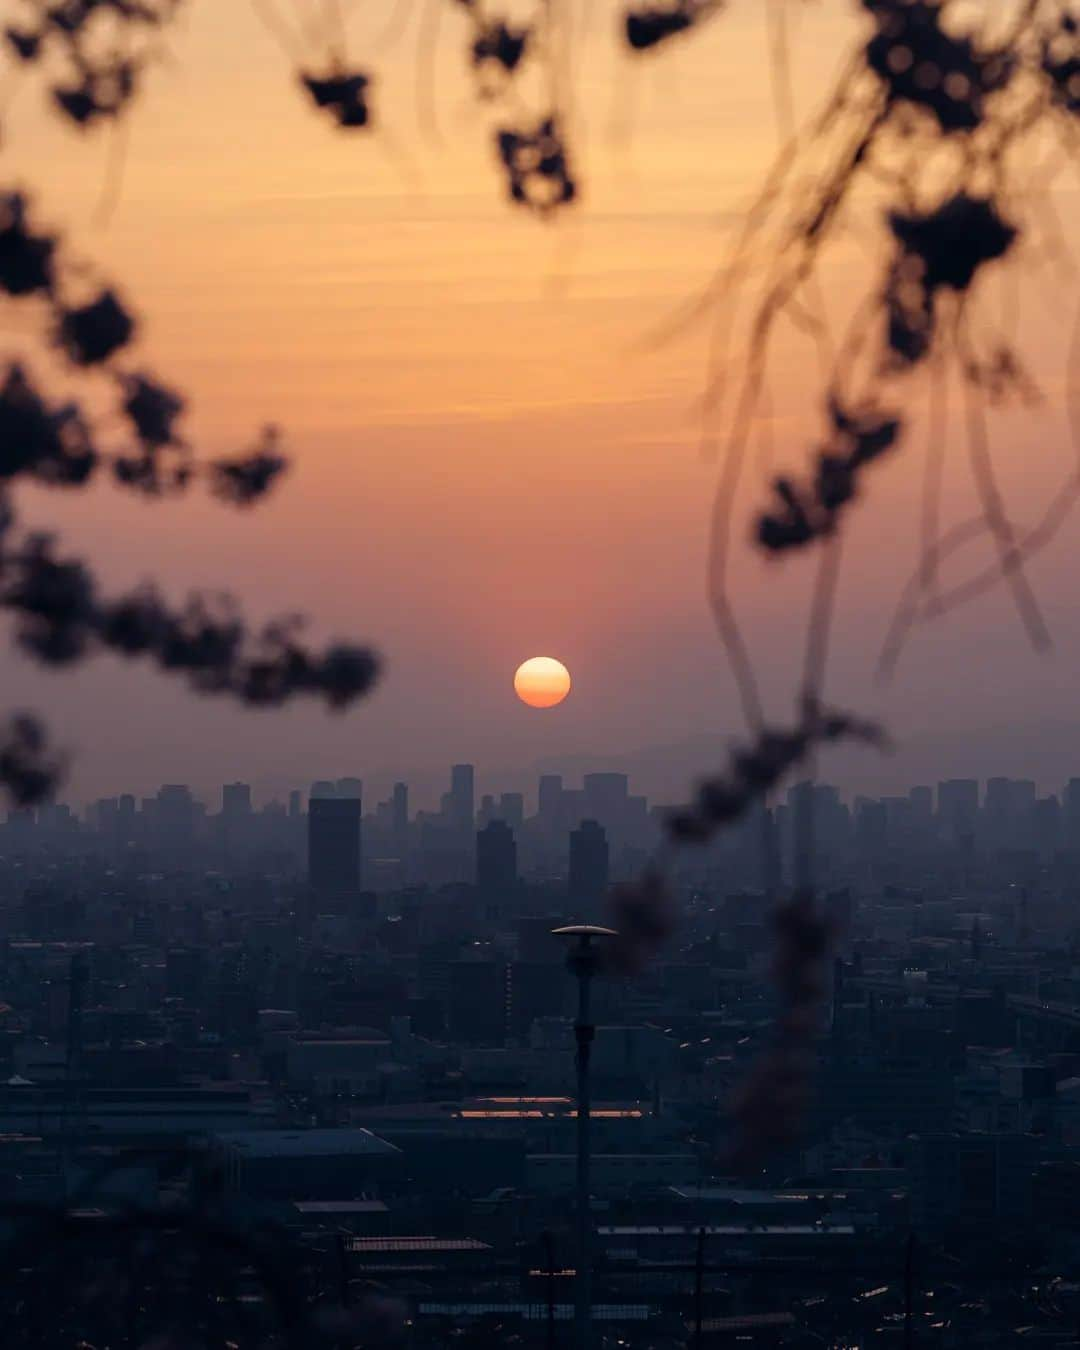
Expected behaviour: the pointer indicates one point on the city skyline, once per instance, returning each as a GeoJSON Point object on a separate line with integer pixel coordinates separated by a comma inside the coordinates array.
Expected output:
{"type": "Point", "coordinates": [1041, 751]}
{"type": "Point", "coordinates": [477, 418]}
{"type": "Point", "coordinates": [541, 756]}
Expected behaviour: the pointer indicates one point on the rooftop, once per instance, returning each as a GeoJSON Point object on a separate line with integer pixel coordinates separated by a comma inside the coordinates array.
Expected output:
{"type": "Point", "coordinates": [732, 1230]}
{"type": "Point", "coordinates": [537, 1312]}
{"type": "Point", "coordinates": [303, 1143]}
{"type": "Point", "coordinates": [340, 1206]}
{"type": "Point", "coordinates": [415, 1244]}
{"type": "Point", "coordinates": [738, 1195]}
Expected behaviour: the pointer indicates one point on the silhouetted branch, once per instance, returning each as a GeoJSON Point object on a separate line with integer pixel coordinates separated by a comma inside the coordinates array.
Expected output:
{"type": "Point", "coordinates": [769, 1106]}
{"type": "Point", "coordinates": [343, 95]}
{"type": "Point", "coordinates": [56, 444]}
{"type": "Point", "coordinates": [755, 770]}
{"type": "Point", "coordinates": [62, 619]}
{"type": "Point", "coordinates": [29, 771]}
{"type": "Point", "coordinates": [649, 25]}
{"type": "Point", "coordinates": [536, 165]}
{"type": "Point", "coordinates": [97, 82]}
{"type": "Point", "coordinates": [805, 514]}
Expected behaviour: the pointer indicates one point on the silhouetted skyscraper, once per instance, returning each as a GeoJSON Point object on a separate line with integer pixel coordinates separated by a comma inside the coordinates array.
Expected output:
{"type": "Point", "coordinates": [1070, 803]}
{"type": "Point", "coordinates": [1046, 826]}
{"type": "Point", "coordinates": [235, 819]}
{"type": "Point", "coordinates": [334, 859]}
{"type": "Point", "coordinates": [512, 809]}
{"type": "Point", "coordinates": [605, 798]}
{"type": "Point", "coordinates": [174, 818]}
{"type": "Point", "coordinates": [958, 806]}
{"type": "Point", "coordinates": [400, 810]}
{"type": "Point", "coordinates": [462, 797]}
{"type": "Point", "coordinates": [236, 799]}
{"type": "Point", "coordinates": [496, 859]}
{"type": "Point", "coordinates": [549, 801]}
{"type": "Point", "coordinates": [871, 828]}
{"type": "Point", "coordinates": [126, 819]}
{"type": "Point", "coordinates": [588, 862]}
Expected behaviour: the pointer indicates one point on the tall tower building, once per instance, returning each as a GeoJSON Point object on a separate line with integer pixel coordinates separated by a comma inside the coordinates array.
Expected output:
{"type": "Point", "coordinates": [1070, 815]}
{"type": "Point", "coordinates": [174, 819]}
{"type": "Point", "coordinates": [512, 809]}
{"type": "Point", "coordinates": [400, 808]}
{"type": "Point", "coordinates": [235, 820]}
{"type": "Point", "coordinates": [549, 799]}
{"type": "Point", "coordinates": [462, 797]}
{"type": "Point", "coordinates": [236, 799]}
{"type": "Point", "coordinates": [958, 807]}
{"type": "Point", "coordinates": [496, 859]}
{"type": "Point", "coordinates": [605, 798]}
{"type": "Point", "coordinates": [588, 863]}
{"type": "Point", "coordinates": [334, 856]}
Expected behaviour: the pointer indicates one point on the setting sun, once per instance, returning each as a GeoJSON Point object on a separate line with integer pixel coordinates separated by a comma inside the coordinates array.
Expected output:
{"type": "Point", "coordinates": [541, 682]}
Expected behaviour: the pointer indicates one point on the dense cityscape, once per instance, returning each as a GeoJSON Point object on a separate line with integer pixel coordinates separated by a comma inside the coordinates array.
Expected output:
{"type": "Point", "coordinates": [354, 1029]}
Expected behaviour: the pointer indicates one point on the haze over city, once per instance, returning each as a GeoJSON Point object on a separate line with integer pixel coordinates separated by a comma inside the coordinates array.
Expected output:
{"type": "Point", "coordinates": [540, 765]}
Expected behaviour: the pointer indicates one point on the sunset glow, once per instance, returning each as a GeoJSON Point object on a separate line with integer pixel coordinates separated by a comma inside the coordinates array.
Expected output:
{"type": "Point", "coordinates": [457, 382]}
{"type": "Point", "coordinates": [542, 682]}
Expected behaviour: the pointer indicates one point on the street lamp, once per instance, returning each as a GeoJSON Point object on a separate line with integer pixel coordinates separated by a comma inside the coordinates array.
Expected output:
{"type": "Point", "coordinates": [583, 961]}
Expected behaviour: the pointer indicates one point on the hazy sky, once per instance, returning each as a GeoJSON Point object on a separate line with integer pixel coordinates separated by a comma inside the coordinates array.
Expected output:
{"type": "Point", "coordinates": [491, 458]}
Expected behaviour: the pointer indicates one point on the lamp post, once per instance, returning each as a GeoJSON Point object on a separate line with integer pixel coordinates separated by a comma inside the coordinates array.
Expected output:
{"type": "Point", "coordinates": [583, 961]}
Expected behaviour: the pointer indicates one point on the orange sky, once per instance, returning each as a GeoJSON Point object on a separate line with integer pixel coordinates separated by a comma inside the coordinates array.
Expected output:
{"type": "Point", "coordinates": [491, 461]}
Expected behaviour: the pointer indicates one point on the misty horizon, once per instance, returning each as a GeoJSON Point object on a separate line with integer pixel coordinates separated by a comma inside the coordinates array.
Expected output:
{"type": "Point", "coordinates": [1046, 753]}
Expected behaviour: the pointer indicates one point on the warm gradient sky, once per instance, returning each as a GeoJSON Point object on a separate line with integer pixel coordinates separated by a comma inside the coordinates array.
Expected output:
{"type": "Point", "coordinates": [490, 461]}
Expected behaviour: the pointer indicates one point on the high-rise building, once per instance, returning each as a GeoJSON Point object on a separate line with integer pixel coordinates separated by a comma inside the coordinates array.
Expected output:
{"type": "Point", "coordinates": [1070, 815]}
{"type": "Point", "coordinates": [102, 815]}
{"type": "Point", "coordinates": [174, 818]}
{"type": "Point", "coordinates": [462, 797]}
{"type": "Point", "coordinates": [334, 858]}
{"type": "Point", "coordinates": [573, 808]}
{"type": "Point", "coordinates": [1046, 826]}
{"type": "Point", "coordinates": [958, 807]}
{"type": "Point", "coordinates": [400, 810]}
{"type": "Point", "coordinates": [236, 822]}
{"type": "Point", "coordinates": [512, 809]}
{"type": "Point", "coordinates": [125, 807]}
{"type": "Point", "coordinates": [998, 801]}
{"type": "Point", "coordinates": [496, 859]}
{"type": "Point", "coordinates": [349, 787]}
{"type": "Point", "coordinates": [588, 862]}
{"type": "Point", "coordinates": [1007, 810]}
{"type": "Point", "coordinates": [871, 828]}
{"type": "Point", "coordinates": [236, 799]}
{"type": "Point", "coordinates": [605, 798]}
{"type": "Point", "coordinates": [549, 800]}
